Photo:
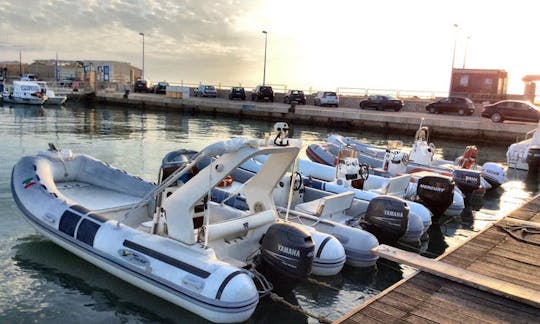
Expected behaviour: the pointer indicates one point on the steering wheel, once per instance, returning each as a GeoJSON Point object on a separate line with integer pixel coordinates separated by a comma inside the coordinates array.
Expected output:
{"type": "Point", "coordinates": [296, 181]}
{"type": "Point", "coordinates": [363, 173]}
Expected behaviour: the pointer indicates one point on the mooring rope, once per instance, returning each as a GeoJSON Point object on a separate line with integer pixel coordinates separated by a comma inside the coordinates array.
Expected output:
{"type": "Point", "coordinates": [322, 319]}
{"type": "Point", "coordinates": [523, 230]}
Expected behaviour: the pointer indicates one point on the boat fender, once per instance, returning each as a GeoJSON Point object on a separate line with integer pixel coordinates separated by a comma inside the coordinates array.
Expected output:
{"type": "Point", "coordinates": [225, 182]}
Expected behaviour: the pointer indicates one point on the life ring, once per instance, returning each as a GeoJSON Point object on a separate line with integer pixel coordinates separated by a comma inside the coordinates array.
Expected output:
{"type": "Point", "coordinates": [225, 182]}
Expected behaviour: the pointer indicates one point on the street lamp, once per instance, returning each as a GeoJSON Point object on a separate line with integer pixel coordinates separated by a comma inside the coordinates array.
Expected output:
{"type": "Point", "coordinates": [265, 44]}
{"type": "Point", "coordinates": [142, 74]}
{"type": "Point", "coordinates": [455, 43]}
{"type": "Point", "coordinates": [453, 60]}
{"type": "Point", "coordinates": [465, 53]}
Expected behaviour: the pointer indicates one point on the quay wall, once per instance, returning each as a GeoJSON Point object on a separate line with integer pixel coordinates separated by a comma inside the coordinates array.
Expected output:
{"type": "Point", "coordinates": [351, 119]}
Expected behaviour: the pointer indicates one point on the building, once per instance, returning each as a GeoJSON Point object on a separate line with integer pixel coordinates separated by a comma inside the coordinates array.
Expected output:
{"type": "Point", "coordinates": [479, 84]}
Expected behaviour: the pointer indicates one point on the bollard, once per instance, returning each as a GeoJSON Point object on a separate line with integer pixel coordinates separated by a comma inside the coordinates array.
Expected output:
{"type": "Point", "coordinates": [126, 94]}
{"type": "Point", "coordinates": [292, 108]}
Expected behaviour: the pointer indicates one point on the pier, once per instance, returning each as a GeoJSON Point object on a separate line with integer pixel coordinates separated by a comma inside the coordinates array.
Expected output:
{"type": "Point", "coordinates": [350, 118]}
{"type": "Point", "coordinates": [492, 278]}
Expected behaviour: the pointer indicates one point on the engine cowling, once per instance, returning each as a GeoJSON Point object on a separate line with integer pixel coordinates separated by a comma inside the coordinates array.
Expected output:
{"type": "Point", "coordinates": [436, 192]}
{"type": "Point", "coordinates": [287, 252]}
{"type": "Point", "coordinates": [467, 180]}
{"type": "Point", "coordinates": [387, 218]}
{"type": "Point", "coordinates": [533, 159]}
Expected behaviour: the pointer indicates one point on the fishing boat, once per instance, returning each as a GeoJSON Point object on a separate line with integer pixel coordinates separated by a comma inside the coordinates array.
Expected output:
{"type": "Point", "coordinates": [168, 238]}
{"type": "Point", "coordinates": [525, 155]}
{"type": "Point", "coordinates": [24, 92]}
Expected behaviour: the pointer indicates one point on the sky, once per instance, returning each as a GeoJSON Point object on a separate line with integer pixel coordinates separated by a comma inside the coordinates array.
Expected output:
{"type": "Point", "coordinates": [318, 45]}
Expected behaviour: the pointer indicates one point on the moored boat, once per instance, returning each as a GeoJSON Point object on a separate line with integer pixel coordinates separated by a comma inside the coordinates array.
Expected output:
{"type": "Point", "coordinates": [24, 92]}
{"type": "Point", "coordinates": [525, 154]}
{"type": "Point", "coordinates": [209, 258]}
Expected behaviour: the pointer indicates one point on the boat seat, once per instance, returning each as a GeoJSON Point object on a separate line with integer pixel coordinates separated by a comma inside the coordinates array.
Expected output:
{"type": "Point", "coordinates": [395, 186]}
{"type": "Point", "coordinates": [327, 206]}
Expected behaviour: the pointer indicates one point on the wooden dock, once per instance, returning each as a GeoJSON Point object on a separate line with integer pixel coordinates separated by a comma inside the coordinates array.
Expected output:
{"type": "Point", "coordinates": [492, 278]}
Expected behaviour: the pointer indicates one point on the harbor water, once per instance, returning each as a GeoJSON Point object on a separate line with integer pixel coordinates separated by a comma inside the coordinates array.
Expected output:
{"type": "Point", "coordinates": [40, 282]}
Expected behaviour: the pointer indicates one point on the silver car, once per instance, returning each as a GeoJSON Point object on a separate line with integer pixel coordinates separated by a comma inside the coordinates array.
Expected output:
{"type": "Point", "coordinates": [326, 98]}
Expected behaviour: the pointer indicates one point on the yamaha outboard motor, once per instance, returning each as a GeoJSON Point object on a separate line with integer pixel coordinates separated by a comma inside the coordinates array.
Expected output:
{"type": "Point", "coordinates": [533, 159]}
{"type": "Point", "coordinates": [436, 192]}
{"type": "Point", "coordinates": [387, 218]}
{"type": "Point", "coordinates": [286, 255]}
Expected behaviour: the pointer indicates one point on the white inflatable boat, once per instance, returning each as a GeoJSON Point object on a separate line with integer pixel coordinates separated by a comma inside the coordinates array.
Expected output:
{"type": "Point", "coordinates": [209, 258]}
{"type": "Point", "coordinates": [525, 155]}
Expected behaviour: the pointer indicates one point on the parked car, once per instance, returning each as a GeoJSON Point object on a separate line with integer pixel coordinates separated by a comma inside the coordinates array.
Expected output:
{"type": "Point", "coordinates": [140, 86]}
{"type": "Point", "coordinates": [381, 102]}
{"type": "Point", "coordinates": [205, 90]}
{"type": "Point", "coordinates": [237, 93]}
{"type": "Point", "coordinates": [515, 110]}
{"type": "Point", "coordinates": [460, 105]}
{"type": "Point", "coordinates": [161, 87]}
{"type": "Point", "coordinates": [295, 95]}
{"type": "Point", "coordinates": [263, 93]}
{"type": "Point", "coordinates": [326, 98]}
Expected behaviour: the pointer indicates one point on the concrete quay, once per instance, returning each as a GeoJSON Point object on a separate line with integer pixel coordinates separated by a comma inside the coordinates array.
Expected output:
{"type": "Point", "coordinates": [348, 118]}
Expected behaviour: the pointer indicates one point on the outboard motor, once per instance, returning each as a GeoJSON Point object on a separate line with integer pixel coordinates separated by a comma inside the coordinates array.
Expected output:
{"type": "Point", "coordinates": [173, 161]}
{"type": "Point", "coordinates": [495, 174]}
{"type": "Point", "coordinates": [467, 180]}
{"type": "Point", "coordinates": [387, 218]}
{"type": "Point", "coordinates": [286, 255]}
{"type": "Point", "coordinates": [470, 183]}
{"type": "Point", "coordinates": [436, 192]}
{"type": "Point", "coordinates": [533, 159]}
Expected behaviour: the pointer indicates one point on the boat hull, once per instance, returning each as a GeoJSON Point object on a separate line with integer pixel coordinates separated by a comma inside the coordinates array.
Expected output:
{"type": "Point", "coordinates": [27, 101]}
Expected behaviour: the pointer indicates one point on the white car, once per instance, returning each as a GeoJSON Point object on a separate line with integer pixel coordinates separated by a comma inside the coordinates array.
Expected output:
{"type": "Point", "coordinates": [205, 91]}
{"type": "Point", "coordinates": [326, 98]}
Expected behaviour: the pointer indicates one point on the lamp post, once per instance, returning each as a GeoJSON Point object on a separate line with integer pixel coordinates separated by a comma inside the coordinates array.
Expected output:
{"type": "Point", "coordinates": [465, 53]}
{"type": "Point", "coordinates": [142, 74]}
{"type": "Point", "coordinates": [265, 45]}
{"type": "Point", "coordinates": [453, 60]}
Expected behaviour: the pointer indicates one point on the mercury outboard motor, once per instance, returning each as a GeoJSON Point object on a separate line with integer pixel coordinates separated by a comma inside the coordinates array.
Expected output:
{"type": "Point", "coordinates": [533, 159]}
{"type": "Point", "coordinates": [286, 255]}
{"type": "Point", "coordinates": [436, 192]}
{"type": "Point", "coordinates": [387, 218]}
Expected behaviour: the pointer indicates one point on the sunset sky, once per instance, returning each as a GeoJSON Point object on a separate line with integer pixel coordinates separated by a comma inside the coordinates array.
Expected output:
{"type": "Point", "coordinates": [376, 44]}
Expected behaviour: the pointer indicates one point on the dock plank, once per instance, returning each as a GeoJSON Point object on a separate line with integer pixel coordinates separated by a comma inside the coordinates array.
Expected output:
{"type": "Point", "coordinates": [491, 278]}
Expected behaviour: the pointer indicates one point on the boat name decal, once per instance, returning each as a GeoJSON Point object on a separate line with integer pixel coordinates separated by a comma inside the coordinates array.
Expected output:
{"type": "Point", "coordinates": [28, 182]}
{"type": "Point", "coordinates": [393, 213]}
{"type": "Point", "coordinates": [288, 250]}
{"type": "Point", "coordinates": [433, 188]}
{"type": "Point", "coordinates": [492, 172]}
{"type": "Point", "coordinates": [133, 257]}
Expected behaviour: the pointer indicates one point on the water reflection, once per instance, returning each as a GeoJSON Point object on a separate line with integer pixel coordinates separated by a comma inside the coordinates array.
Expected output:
{"type": "Point", "coordinates": [51, 267]}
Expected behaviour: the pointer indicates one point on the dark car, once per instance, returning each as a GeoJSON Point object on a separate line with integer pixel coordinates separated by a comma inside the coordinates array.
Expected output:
{"type": "Point", "coordinates": [161, 87]}
{"type": "Point", "coordinates": [295, 95]}
{"type": "Point", "coordinates": [263, 93]}
{"type": "Point", "coordinates": [237, 93]}
{"type": "Point", "coordinates": [460, 105]}
{"type": "Point", "coordinates": [515, 110]}
{"type": "Point", "coordinates": [140, 86]}
{"type": "Point", "coordinates": [381, 102]}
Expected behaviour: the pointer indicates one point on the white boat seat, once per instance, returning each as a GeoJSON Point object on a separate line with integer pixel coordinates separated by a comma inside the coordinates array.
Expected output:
{"type": "Point", "coordinates": [327, 206]}
{"type": "Point", "coordinates": [395, 186]}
